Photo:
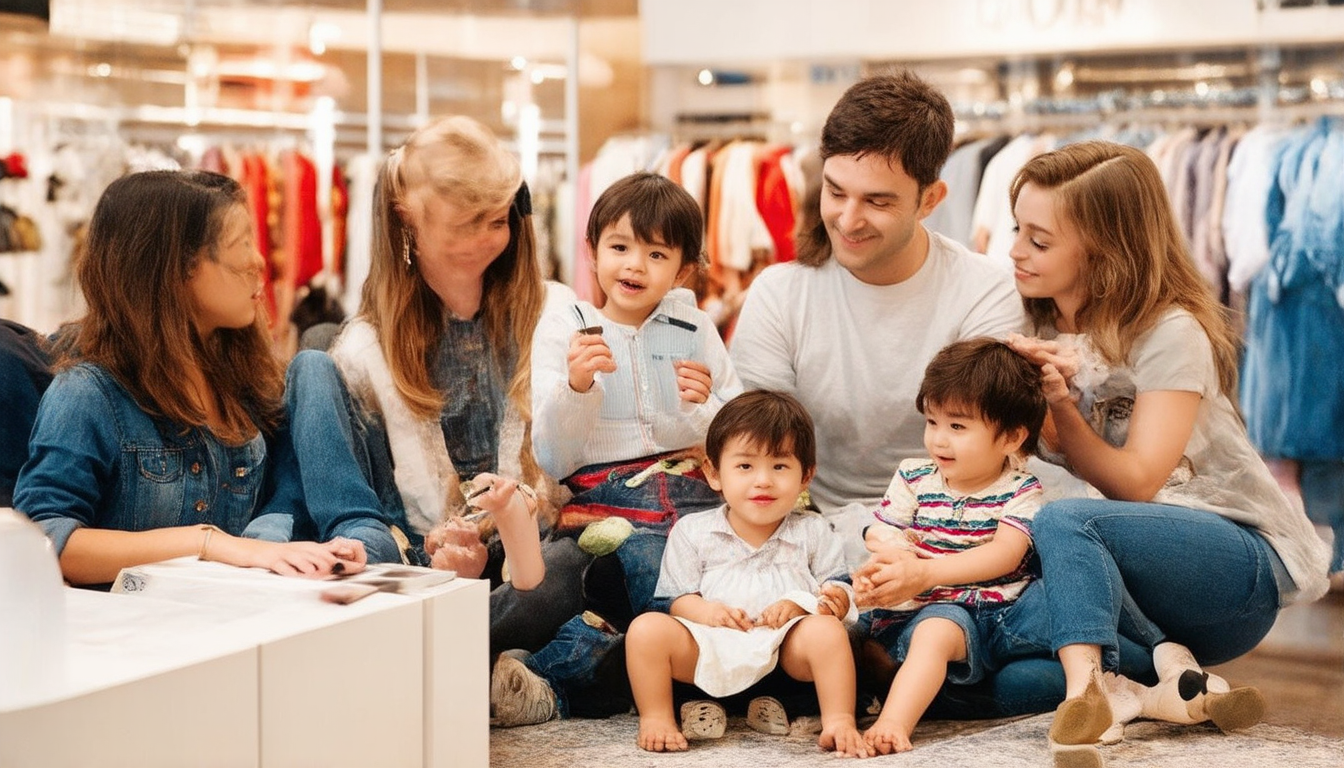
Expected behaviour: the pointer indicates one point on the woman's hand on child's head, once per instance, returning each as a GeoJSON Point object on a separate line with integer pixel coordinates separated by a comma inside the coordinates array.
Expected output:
{"type": "Point", "coordinates": [721, 615]}
{"type": "Point", "coordinates": [1042, 352]}
{"type": "Point", "coordinates": [1055, 387]}
{"type": "Point", "coordinates": [694, 382]}
{"type": "Point", "coordinates": [588, 356]}
{"type": "Point", "coordinates": [833, 601]}
{"type": "Point", "coordinates": [780, 613]}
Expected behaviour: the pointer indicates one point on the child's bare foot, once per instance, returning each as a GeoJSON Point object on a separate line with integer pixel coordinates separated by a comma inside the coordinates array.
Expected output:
{"type": "Point", "coordinates": [659, 734]}
{"type": "Point", "coordinates": [885, 737]}
{"type": "Point", "coordinates": [842, 736]}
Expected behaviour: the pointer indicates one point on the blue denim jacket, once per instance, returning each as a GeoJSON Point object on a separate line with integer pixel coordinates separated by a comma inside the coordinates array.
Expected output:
{"type": "Point", "coordinates": [97, 460]}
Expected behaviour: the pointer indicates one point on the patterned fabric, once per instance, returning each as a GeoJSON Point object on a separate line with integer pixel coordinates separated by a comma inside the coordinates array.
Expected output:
{"type": "Point", "coordinates": [650, 492]}
{"type": "Point", "coordinates": [937, 521]}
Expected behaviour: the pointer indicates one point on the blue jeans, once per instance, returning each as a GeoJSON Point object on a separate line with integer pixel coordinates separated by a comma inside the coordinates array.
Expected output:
{"type": "Point", "coordinates": [330, 459]}
{"type": "Point", "coordinates": [529, 619]}
{"type": "Point", "coordinates": [572, 662]}
{"type": "Point", "coordinates": [334, 478]}
{"type": "Point", "coordinates": [894, 631]}
{"type": "Point", "coordinates": [1149, 572]}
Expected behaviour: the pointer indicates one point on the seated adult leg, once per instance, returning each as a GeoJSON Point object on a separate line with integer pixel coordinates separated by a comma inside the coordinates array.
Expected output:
{"type": "Point", "coordinates": [529, 619]}
{"type": "Point", "coordinates": [323, 464]}
{"type": "Point", "coordinates": [1204, 581]}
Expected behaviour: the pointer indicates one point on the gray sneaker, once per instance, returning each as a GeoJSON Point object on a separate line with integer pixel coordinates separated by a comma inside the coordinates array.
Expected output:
{"type": "Point", "coordinates": [518, 696]}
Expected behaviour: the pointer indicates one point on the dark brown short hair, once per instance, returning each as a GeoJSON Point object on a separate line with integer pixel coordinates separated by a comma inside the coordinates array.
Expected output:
{"type": "Point", "coordinates": [896, 116]}
{"type": "Point", "coordinates": [774, 421]}
{"type": "Point", "coordinates": [989, 378]}
{"type": "Point", "coordinates": [660, 210]}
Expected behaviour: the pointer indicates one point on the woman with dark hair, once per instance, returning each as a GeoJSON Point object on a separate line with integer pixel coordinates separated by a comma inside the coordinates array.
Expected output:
{"type": "Point", "coordinates": [150, 442]}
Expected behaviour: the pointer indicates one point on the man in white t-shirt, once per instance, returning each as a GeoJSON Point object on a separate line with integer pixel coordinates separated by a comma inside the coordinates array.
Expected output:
{"type": "Point", "coordinates": [849, 328]}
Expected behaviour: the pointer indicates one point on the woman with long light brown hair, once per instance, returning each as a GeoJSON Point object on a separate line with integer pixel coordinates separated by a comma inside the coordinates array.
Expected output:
{"type": "Point", "coordinates": [151, 441]}
{"type": "Point", "coordinates": [420, 416]}
{"type": "Point", "coordinates": [1186, 542]}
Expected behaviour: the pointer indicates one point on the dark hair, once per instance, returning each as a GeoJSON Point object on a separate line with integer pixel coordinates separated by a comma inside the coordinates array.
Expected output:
{"type": "Point", "coordinates": [774, 421]}
{"type": "Point", "coordinates": [988, 377]}
{"type": "Point", "coordinates": [660, 210]}
{"type": "Point", "coordinates": [896, 116]}
{"type": "Point", "coordinates": [148, 234]}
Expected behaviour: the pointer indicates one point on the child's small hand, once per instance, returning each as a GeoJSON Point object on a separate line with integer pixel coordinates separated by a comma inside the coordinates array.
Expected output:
{"type": "Point", "coordinates": [833, 600]}
{"type": "Point", "coordinates": [455, 545]}
{"type": "Point", "coordinates": [889, 579]}
{"type": "Point", "coordinates": [588, 356]}
{"type": "Point", "coordinates": [500, 494]}
{"type": "Point", "coordinates": [779, 614]}
{"type": "Point", "coordinates": [694, 382]}
{"type": "Point", "coordinates": [721, 615]}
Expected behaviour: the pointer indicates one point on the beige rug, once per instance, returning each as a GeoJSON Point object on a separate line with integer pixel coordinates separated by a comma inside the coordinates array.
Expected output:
{"type": "Point", "coordinates": [945, 744]}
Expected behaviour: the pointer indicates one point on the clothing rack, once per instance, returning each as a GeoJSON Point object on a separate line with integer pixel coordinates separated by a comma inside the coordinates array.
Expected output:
{"type": "Point", "coordinates": [1192, 106]}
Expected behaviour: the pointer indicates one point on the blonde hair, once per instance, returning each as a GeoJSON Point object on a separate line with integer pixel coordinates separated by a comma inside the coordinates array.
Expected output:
{"type": "Point", "coordinates": [459, 159]}
{"type": "Point", "coordinates": [1136, 265]}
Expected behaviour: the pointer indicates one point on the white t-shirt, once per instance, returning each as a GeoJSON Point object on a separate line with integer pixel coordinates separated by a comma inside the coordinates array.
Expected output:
{"type": "Point", "coordinates": [636, 410]}
{"type": "Point", "coordinates": [854, 354]}
{"type": "Point", "coordinates": [1220, 470]}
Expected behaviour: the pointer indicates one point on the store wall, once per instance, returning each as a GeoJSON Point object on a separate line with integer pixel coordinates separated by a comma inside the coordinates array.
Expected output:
{"type": "Point", "coordinates": [708, 31]}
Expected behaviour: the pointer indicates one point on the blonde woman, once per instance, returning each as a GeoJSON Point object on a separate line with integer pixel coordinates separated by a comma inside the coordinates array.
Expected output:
{"type": "Point", "coordinates": [429, 385]}
{"type": "Point", "coordinates": [1187, 543]}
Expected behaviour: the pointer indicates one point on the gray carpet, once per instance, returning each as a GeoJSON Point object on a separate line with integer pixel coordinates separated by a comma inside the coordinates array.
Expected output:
{"type": "Point", "coordinates": [997, 743]}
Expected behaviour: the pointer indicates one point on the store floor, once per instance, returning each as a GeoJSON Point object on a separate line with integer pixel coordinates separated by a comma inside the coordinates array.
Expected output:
{"type": "Point", "coordinates": [1299, 667]}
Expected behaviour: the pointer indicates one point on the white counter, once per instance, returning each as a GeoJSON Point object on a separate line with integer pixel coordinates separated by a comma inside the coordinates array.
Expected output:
{"type": "Point", "coordinates": [208, 665]}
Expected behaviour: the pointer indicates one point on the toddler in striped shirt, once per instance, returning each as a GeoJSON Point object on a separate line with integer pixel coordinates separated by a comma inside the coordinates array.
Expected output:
{"type": "Point", "coordinates": [952, 540]}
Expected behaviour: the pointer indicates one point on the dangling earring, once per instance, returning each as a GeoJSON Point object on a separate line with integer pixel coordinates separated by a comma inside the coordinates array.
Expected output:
{"type": "Point", "coordinates": [406, 246]}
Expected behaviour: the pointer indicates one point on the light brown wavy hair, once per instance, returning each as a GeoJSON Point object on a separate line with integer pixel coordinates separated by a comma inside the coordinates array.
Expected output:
{"type": "Point", "coordinates": [458, 158]}
{"type": "Point", "coordinates": [1136, 264]}
{"type": "Point", "coordinates": [148, 234]}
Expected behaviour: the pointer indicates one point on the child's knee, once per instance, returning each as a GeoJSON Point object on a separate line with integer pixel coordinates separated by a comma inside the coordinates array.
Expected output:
{"type": "Point", "coordinates": [943, 634]}
{"type": "Point", "coordinates": [648, 629]}
{"type": "Point", "coordinates": [821, 630]}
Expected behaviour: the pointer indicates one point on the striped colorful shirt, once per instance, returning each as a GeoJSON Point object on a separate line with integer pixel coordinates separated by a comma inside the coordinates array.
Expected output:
{"type": "Point", "coordinates": [939, 521]}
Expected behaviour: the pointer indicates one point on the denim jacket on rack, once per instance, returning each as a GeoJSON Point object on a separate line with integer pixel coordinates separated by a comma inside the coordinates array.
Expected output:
{"type": "Point", "coordinates": [1292, 392]}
